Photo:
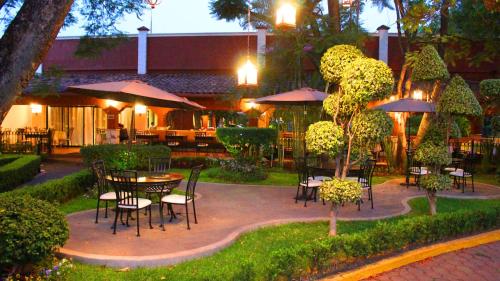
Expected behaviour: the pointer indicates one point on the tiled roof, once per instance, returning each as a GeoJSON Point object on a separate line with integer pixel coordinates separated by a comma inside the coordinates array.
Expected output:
{"type": "Point", "coordinates": [178, 83]}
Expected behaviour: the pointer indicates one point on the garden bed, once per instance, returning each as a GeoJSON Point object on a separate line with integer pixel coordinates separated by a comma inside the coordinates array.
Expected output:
{"type": "Point", "coordinates": [17, 170]}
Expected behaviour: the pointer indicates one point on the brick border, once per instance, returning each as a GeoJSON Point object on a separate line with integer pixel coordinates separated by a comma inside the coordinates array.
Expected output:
{"type": "Point", "coordinates": [415, 256]}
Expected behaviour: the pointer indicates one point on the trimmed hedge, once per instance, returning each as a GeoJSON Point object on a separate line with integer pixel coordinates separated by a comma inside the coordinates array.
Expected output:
{"type": "Point", "coordinates": [187, 162]}
{"type": "Point", "coordinates": [57, 190]}
{"type": "Point", "coordinates": [6, 159]}
{"type": "Point", "coordinates": [246, 141]}
{"type": "Point", "coordinates": [337, 253]}
{"type": "Point", "coordinates": [110, 153]}
{"type": "Point", "coordinates": [19, 171]}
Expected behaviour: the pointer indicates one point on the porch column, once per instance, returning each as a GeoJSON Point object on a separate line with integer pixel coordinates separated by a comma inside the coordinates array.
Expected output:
{"type": "Point", "coordinates": [142, 50]}
{"type": "Point", "coordinates": [383, 43]}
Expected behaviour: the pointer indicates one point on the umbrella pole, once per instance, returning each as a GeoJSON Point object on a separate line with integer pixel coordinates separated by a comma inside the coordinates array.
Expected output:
{"type": "Point", "coordinates": [132, 130]}
{"type": "Point", "coordinates": [305, 130]}
{"type": "Point", "coordinates": [408, 152]}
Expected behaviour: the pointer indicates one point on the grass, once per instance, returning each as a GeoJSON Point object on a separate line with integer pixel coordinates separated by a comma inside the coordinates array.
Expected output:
{"type": "Point", "coordinates": [488, 179]}
{"type": "Point", "coordinates": [257, 245]}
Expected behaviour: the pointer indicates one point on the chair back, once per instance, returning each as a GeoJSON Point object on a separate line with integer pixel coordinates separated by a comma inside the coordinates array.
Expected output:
{"type": "Point", "coordinates": [302, 169]}
{"type": "Point", "coordinates": [100, 173]}
{"type": "Point", "coordinates": [125, 185]}
{"type": "Point", "coordinates": [193, 179]}
{"type": "Point", "coordinates": [415, 166]}
{"type": "Point", "coordinates": [467, 165]}
{"type": "Point", "coordinates": [366, 173]}
{"type": "Point", "coordinates": [159, 165]}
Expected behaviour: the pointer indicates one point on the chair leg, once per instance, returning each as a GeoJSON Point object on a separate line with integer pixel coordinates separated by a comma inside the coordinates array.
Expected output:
{"type": "Point", "coordinates": [161, 217]}
{"type": "Point", "coordinates": [194, 211]}
{"type": "Point", "coordinates": [359, 204]}
{"type": "Point", "coordinates": [150, 225]}
{"type": "Point", "coordinates": [472, 181]}
{"type": "Point", "coordinates": [148, 196]}
{"type": "Point", "coordinates": [371, 195]}
{"type": "Point", "coordinates": [305, 196]}
{"type": "Point", "coordinates": [187, 215]}
{"type": "Point", "coordinates": [463, 184]}
{"type": "Point", "coordinates": [116, 219]}
{"type": "Point", "coordinates": [137, 222]}
{"type": "Point", "coordinates": [297, 196]}
{"type": "Point", "coordinates": [106, 212]}
{"type": "Point", "coordinates": [97, 211]}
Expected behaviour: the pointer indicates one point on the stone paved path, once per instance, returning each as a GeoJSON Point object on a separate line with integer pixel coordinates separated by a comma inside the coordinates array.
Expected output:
{"type": "Point", "coordinates": [481, 263]}
{"type": "Point", "coordinates": [57, 166]}
{"type": "Point", "coordinates": [224, 210]}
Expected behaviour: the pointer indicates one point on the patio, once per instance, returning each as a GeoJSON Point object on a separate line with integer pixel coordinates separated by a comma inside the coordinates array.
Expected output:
{"type": "Point", "coordinates": [224, 212]}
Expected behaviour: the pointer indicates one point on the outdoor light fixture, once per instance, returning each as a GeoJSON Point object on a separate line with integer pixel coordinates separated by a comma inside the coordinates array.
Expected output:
{"type": "Point", "coordinates": [346, 3]}
{"type": "Point", "coordinates": [153, 3]}
{"type": "Point", "coordinates": [111, 103]}
{"type": "Point", "coordinates": [286, 15]}
{"type": "Point", "coordinates": [392, 98]}
{"type": "Point", "coordinates": [140, 109]}
{"type": "Point", "coordinates": [247, 73]}
{"type": "Point", "coordinates": [252, 105]}
{"type": "Point", "coordinates": [418, 95]}
{"type": "Point", "coordinates": [36, 108]}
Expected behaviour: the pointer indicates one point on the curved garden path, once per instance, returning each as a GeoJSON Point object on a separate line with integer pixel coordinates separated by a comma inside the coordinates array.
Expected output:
{"type": "Point", "coordinates": [224, 212]}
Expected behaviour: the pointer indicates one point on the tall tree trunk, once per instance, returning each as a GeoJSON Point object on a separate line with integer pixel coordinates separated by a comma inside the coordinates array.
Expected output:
{"type": "Point", "coordinates": [334, 15]}
{"type": "Point", "coordinates": [431, 197]}
{"type": "Point", "coordinates": [426, 118]}
{"type": "Point", "coordinates": [443, 28]}
{"type": "Point", "coordinates": [334, 211]}
{"type": "Point", "coordinates": [25, 43]}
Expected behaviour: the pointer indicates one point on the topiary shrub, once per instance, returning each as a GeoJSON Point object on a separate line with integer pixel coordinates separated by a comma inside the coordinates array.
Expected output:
{"type": "Point", "coordinates": [337, 192]}
{"type": "Point", "coordinates": [428, 66]}
{"type": "Point", "coordinates": [371, 127]}
{"type": "Point", "coordinates": [324, 137]}
{"type": "Point", "coordinates": [246, 142]}
{"type": "Point", "coordinates": [238, 170]}
{"type": "Point", "coordinates": [30, 231]}
{"type": "Point", "coordinates": [458, 99]}
{"type": "Point", "coordinates": [19, 171]}
{"type": "Point", "coordinates": [367, 79]}
{"type": "Point", "coordinates": [490, 88]}
{"type": "Point", "coordinates": [335, 59]}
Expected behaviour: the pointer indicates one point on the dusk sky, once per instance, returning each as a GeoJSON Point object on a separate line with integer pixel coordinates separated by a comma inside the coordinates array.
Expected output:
{"type": "Point", "coordinates": [172, 16]}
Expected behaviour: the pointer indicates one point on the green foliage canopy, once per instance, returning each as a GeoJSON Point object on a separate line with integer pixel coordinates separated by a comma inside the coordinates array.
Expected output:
{"type": "Point", "coordinates": [367, 79]}
{"type": "Point", "coordinates": [429, 66]}
{"type": "Point", "coordinates": [324, 137]}
{"type": "Point", "coordinates": [490, 88]}
{"type": "Point", "coordinates": [335, 60]}
{"type": "Point", "coordinates": [458, 99]}
{"type": "Point", "coordinates": [432, 154]}
{"type": "Point", "coordinates": [339, 104]}
{"type": "Point", "coordinates": [239, 141]}
{"type": "Point", "coordinates": [371, 127]}
{"type": "Point", "coordinates": [340, 191]}
{"type": "Point", "coordinates": [435, 183]}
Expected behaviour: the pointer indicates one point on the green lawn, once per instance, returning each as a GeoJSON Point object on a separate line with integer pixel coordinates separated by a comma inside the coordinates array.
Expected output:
{"type": "Point", "coordinates": [256, 246]}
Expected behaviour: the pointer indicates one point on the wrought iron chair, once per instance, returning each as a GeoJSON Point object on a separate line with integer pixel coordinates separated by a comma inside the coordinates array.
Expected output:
{"type": "Point", "coordinates": [159, 166]}
{"type": "Point", "coordinates": [417, 171]}
{"type": "Point", "coordinates": [460, 175]}
{"type": "Point", "coordinates": [365, 179]}
{"type": "Point", "coordinates": [306, 182]}
{"type": "Point", "coordinates": [104, 194]}
{"type": "Point", "coordinates": [127, 196]}
{"type": "Point", "coordinates": [176, 199]}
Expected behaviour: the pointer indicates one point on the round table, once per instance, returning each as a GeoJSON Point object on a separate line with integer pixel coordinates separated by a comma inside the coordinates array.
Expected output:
{"type": "Point", "coordinates": [156, 182]}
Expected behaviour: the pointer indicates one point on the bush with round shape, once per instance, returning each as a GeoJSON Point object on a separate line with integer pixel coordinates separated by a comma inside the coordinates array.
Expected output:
{"type": "Point", "coordinates": [490, 88]}
{"type": "Point", "coordinates": [324, 137]}
{"type": "Point", "coordinates": [429, 66]}
{"type": "Point", "coordinates": [432, 184]}
{"type": "Point", "coordinates": [338, 191]}
{"type": "Point", "coordinates": [432, 154]}
{"type": "Point", "coordinates": [458, 99]}
{"type": "Point", "coordinates": [30, 231]}
{"type": "Point", "coordinates": [367, 79]}
{"type": "Point", "coordinates": [342, 105]}
{"type": "Point", "coordinates": [335, 59]}
{"type": "Point", "coordinates": [435, 133]}
{"type": "Point", "coordinates": [371, 127]}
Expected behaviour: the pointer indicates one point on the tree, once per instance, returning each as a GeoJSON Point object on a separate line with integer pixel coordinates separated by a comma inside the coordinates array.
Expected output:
{"type": "Point", "coordinates": [31, 32]}
{"type": "Point", "coordinates": [355, 81]}
{"type": "Point", "coordinates": [490, 92]}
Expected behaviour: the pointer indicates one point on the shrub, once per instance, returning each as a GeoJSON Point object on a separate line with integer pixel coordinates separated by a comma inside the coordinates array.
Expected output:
{"type": "Point", "coordinates": [490, 88]}
{"type": "Point", "coordinates": [371, 127]}
{"type": "Point", "coordinates": [340, 191]}
{"type": "Point", "coordinates": [458, 99]}
{"type": "Point", "coordinates": [111, 152]}
{"type": "Point", "coordinates": [338, 252]}
{"type": "Point", "coordinates": [19, 171]}
{"type": "Point", "coordinates": [435, 182]}
{"type": "Point", "coordinates": [189, 162]}
{"type": "Point", "coordinates": [246, 142]}
{"type": "Point", "coordinates": [6, 159]}
{"type": "Point", "coordinates": [429, 66]}
{"type": "Point", "coordinates": [30, 231]}
{"type": "Point", "coordinates": [238, 170]}
{"type": "Point", "coordinates": [57, 190]}
{"type": "Point", "coordinates": [432, 154]}
{"type": "Point", "coordinates": [324, 137]}
{"type": "Point", "coordinates": [335, 59]}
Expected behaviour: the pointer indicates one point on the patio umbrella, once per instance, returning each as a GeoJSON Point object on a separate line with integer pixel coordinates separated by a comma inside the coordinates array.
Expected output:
{"type": "Point", "coordinates": [410, 106]}
{"type": "Point", "coordinates": [135, 92]}
{"type": "Point", "coordinates": [300, 97]}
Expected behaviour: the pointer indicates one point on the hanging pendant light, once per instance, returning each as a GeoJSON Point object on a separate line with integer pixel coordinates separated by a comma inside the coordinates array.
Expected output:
{"type": "Point", "coordinates": [247, 73]}
{"type": "Point", "coordinates": [286, 16]}
{"type": "Point", "coordinates": [153, 3]}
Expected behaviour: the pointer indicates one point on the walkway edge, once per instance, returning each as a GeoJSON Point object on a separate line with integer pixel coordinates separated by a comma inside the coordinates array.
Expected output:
{"type": "Point", "coordinates": [415, 256]}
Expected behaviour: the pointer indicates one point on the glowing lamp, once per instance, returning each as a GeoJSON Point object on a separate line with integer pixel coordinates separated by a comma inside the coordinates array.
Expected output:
{"type": "Point", "coordinates": [111, 103]}
{"type": "Point", "coordinates": [153, 3]}
{"type": "Point", "coordinates": [285, 16]}
{"type": "Point", "coordinates": [418, 95]}
{"type": "Point", "coordinates": [392, 98]}
{"type": "Point", "coordinates": [36, 108]}
{"type": "Point", "coordinates": [140, 109]}
{"type": "Point", "coordinates": [346, 3]}
{"type": "Point", "coordinates": [251, 105]}
{"type": "Point", "coordinates": [247, 74]}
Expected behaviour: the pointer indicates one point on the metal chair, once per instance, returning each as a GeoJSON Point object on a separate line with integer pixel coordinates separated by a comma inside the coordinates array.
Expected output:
{"type": "Point", "coordinates": [102, 187]}
{"type": "Point", "coordinates": [365, 179]}
{"type": "Point", "coordinates": [306, 182]}
{"type": "Point", "coordinates": [159, 166]}
{"type": "Point", "coordinates": [176, 199]}
{"type": "Point", "coordinates": [460, 175]}
{"type": "Point", "coordinates": [417, 171]}
{"type": "Point", "coordinates": [127, 196]}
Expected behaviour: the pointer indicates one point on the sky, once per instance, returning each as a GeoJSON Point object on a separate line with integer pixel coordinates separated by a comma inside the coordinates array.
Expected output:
{"type": "Point", "coordinates": [171, 17]}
